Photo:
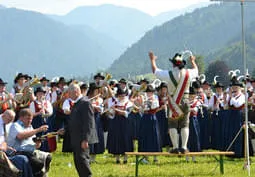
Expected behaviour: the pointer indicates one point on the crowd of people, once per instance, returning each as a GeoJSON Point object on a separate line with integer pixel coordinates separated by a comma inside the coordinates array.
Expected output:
{"type": "Point", "coordinates": [181, 111]}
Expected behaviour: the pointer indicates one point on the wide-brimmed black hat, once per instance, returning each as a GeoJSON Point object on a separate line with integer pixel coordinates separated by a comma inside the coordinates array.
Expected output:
{"type": "Point", "coordinates": [92, 86]}
{"type": "Point", "coordinates": [218, 85]}
{"type": "Point", "coordinates": [196, 84]}
{"type": "Point", "coordinates": [150, 88]}
{"type": "Point", "coordinates": [206, 83]}
{"type": "Point", "coordinates": [192, 91]}
{"type": "Point", "coordinates": [27, 77]}
{"type": "Point", "coordinates": [19, 76]}
{"type": "Point", "coordinates": [121, 91]}
{"type": "Point", "coordinates": [62, 80]}
{"type": "Point", "coordinates": [44, 79]}
{"type": "Point", "coordinates": [163, 85]}
{"type": "Point", "coordinates": [113, 82]}
{"type": "Point", "coordinates": [177, 60]}
{"type": "Point", "coordinates": [99, 75]}
{"type": "Point", "coordinates": [2, 82]}
{"type": "Point", "coordinates": [40, 89]}
{"type": "Point", "coordinates": [123, 81]}
{"type": "Point", "coordinates": [236, 83]}
{"type": "Point", "coordinates": [144, 80]}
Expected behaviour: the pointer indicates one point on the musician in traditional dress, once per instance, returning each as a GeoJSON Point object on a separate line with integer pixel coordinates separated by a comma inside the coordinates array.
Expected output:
{"type": "Point", "coordinates": [19, 82]}
{"type": "Point", "coordinates": [42, 110]}
{"type": "Point", "coordinates": [136, 114]}
{"type": "Point", "coordinates": [58, 105]}
{"type": "Point", "coordinates": [84, 89]}
{"type": "Point", "coordinates": [236, 104]}
{"type": "Point", "coordinates": [194, 128]}
{"type": "Point", "coordinates": [217, 101]}
{"type": "Point", "coordinates": [66, 110]}
{"type": "Point", "coordinates": [251, 96]}
{"type": "Point", "coordinates": [6, 99]}
{"type": "Point", "coordinates": [208, 93]}
{"type": "Point", "coordinates": [123, 85]}
{"type": "Point", "coordinates": [217, 104]}
{"type": "Point", "coordinates": [61, 84]}
{"type": "Point", "coordinates": [204, 95]}
{"type": "Point", "coordinates": [97, 104]}
{"type": "Point", "coordinates": [179, 80]}
{"type": "Point", "coordinates": [149, 135]}
{"type": "Point", "coordinates": [162, 114]}
{"type": "Point", "coordinates": [119, 140]}
{"type": "Point", "coordinates": [98, 77]}
{"type": "Point", "coordinates": [44, 81]}
{"type": "Point", "coordinates": [237, 98]}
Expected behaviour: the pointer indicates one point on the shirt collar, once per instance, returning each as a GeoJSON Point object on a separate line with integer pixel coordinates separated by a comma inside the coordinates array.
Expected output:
{"type": "Point", "coordinates": [79, 97]}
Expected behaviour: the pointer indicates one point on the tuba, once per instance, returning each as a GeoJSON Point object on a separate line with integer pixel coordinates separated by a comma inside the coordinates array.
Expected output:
{"type": "Point", "coordinates": [25, 96]}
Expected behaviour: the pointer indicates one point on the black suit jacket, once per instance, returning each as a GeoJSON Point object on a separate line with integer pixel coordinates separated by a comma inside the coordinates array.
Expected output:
{"type": "Point", "coordinates": [82, 124]}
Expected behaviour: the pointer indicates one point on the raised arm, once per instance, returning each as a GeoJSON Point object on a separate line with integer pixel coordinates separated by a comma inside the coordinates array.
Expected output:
{"type": "Point", "coordinates": [153, 61]}
{"type": "Point", "coordinates": [193, 63]}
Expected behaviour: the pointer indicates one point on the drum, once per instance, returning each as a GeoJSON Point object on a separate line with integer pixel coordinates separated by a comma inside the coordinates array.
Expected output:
{"type": "Point", "coordinates": [52, 143]}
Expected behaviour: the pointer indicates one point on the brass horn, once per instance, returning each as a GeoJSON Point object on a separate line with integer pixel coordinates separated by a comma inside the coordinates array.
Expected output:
{"type": "Point", "coordinates": [26, 93]}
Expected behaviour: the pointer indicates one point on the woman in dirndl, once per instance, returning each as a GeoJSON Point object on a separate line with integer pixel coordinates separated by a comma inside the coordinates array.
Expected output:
{"type": "Point", "coordinates": [41, 109]}
{"type": "Point", "coordinates": [119, 137]}
{"type": "Point", "coordinates": [162, 115]}
{"type": "Point", "coordinates": [149, 135]}
{"type": "Point", "coordinates": [194, 128]}
{"type": "Point", "coordinates": [97, 104]}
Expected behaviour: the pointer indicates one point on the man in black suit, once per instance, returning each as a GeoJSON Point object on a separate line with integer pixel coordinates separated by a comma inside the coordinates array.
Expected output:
{"type": "Point", "coordinates": [82, 130]}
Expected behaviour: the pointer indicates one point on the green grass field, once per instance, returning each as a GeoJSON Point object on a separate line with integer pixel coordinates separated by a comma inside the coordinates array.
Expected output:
{"type": "Point", "coordinates": [63, 166]}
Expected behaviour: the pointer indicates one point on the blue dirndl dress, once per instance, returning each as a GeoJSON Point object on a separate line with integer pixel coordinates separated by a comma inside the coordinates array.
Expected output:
{"type": "Point", "coordinates": [98, 148]}
{"type": "Point", "coordinates": [149, 135]}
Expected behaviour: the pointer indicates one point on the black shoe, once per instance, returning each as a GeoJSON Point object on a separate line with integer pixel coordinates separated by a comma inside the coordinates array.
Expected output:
{"type": "Point", "coordinates": [155, 160]}
{"type": "Point", "coordinates": [125, 161]}
{"type": "Point", "coordinates": [117, 161]}
{"type": "Point", "coordinates": [184, 151]}
{"type": "Point", "coordinates": [174, 151]}
{"type": "Point", "coordinates": [47, 163]}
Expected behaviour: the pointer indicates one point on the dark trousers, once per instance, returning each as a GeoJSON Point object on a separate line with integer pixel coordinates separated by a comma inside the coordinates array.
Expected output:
{"type": "Point", "coordinates": [22, 163]}
{"type": "Point", "coordinates": [81, 161]}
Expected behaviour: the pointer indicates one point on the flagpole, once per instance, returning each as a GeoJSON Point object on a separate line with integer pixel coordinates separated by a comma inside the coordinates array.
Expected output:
{"type": "Point", "coordinates": [247, 153]}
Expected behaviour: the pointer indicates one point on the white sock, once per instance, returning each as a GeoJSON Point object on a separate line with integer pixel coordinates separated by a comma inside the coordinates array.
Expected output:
{"type": "Point", "coordinates": [174, 137]}
{"type": "Point", "coordinates": [117, 157]}
{"type": "Point", "coordinates": [125, 157]}
{"type": "Point", "coordinates": [193, 158]}
{"type": "Point", "coordinates": [187, 158]}
{"type": "Point", "coordinates": [155, 158]}
{"type": "Point", "coordinates": [185, 137]}
{"type": "Point", "coordinates": [105, 138]}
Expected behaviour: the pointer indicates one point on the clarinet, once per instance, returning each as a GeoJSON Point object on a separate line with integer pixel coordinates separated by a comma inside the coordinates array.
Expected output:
{"type": "Point", "coordinates": [165, 98]}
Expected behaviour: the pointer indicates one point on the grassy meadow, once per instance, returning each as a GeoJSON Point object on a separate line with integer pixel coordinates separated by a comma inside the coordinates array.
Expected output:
{"type": "Point", "coordinates": [105, 166]}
